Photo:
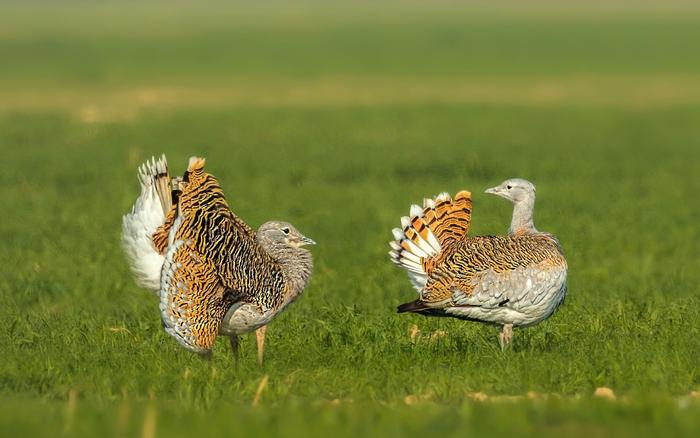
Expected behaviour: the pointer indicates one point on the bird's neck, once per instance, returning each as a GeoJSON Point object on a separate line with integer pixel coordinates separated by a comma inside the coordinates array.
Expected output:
{"type": "Point", "coordinates": [522, 222]}
{"type": "Point", "coordinates": [297, 265]}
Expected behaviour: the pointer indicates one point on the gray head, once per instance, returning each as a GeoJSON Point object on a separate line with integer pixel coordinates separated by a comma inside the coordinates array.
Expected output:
{"type": "Point", "coordinates": [278, 235]}
{"type": "Point", "coordinates": [284, 243]}
{"type": "Point", "coordinates": [515, 190]}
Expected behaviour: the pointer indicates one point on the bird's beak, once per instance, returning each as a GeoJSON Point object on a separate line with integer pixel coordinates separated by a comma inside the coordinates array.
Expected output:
{"type": "Point", "coordinates": [492, 190]}
{"type": "Point", "coordinates": [306, 241]}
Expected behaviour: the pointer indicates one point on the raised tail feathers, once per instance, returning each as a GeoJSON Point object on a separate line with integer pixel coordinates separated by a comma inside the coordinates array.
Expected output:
{"type": "Point", "coordinates": [147, 214]}
{"type": "Point", "coordinates": [428, 231]}
{"type": "Point", "coordinates": [449, 218]}
{"type": "Point", "coordinates": [154, 174]}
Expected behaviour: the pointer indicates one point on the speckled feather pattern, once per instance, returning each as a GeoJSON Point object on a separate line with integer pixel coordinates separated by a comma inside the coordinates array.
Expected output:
{"type": "Point", "coordinates": [212, 262]}
{"type": "Point", "coordinates": [518, 279]}
{"type": "Point", "coordinates": [461, 266]}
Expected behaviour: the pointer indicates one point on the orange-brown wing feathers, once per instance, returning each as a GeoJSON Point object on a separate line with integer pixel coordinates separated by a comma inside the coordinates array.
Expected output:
{"type": "Point", "coordinates": [205, 190]}
{"type": "Point", "coordinates": [213, 259]}
{"type": "Point", "coordinates": [192, 298]}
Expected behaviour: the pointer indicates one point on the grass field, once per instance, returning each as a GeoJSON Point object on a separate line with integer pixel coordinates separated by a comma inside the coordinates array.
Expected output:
{"type": "Point", "coordinates": [337, 118]}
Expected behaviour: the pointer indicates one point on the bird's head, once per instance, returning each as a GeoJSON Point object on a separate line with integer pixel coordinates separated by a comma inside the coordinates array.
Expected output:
{"type": "Point", "coordinates": [278, 234]}
{"type": "Point", "coordinates": [515, 190]}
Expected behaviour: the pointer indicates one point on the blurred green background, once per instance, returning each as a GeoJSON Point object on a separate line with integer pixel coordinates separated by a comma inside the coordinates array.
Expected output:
{"type": "Point", "coordinates": [336, 117]}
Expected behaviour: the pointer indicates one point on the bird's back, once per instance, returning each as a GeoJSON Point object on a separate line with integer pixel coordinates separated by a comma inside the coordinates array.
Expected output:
{"type": "Point", "coordinates": [516, 280]}
{"type": "Point", "coordinates": [500, 254]}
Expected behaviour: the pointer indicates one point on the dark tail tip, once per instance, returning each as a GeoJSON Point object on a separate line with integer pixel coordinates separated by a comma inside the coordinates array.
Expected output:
{"type": "Point", "coordinates": [413, 306]}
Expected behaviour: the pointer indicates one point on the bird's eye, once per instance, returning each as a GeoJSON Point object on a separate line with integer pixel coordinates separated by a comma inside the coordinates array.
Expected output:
{"type": "Point", "coordinates": [285, 230]}
{"type": "Point", "coordinates": [509, 187]}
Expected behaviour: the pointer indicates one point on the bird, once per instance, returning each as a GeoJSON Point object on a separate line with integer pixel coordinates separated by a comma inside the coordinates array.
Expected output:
{"type": "Point", "coordinates": [214, 275]}
{"type": "Point", "coordinates": [517, 280]}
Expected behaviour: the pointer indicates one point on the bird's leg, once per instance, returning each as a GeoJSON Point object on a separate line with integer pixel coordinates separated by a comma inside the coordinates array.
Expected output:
{"type": "Point", "coordinates": [233, 339]}
{"type": "Point", "coordinates": [260, 338]}
{"type": "Point", "coordinates": [206, 356]}
{"type": "Point", "coordinates": [505, 336]}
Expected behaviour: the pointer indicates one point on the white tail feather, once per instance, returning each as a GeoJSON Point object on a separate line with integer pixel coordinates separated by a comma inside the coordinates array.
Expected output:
{"type": "Point", "coordinates": [414, 249]}
{"type": "Point", "coordinates": [433, 242]}
{"type": "Point", "coordinates": [416, 211]}
{"type": "Point", "coordinates": [138, 226]}
{"type": "Point", "coordinates": [411, 246]}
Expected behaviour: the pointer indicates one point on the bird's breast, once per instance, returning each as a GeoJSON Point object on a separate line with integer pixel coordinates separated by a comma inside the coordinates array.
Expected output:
{"type": "Point", "coordinates": [244, 318]}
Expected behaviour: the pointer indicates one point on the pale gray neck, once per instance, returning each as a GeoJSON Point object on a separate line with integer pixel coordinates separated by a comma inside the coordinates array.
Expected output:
{"type": "Point", "coordinates": [522, 222]}
{"type": "Point", "coordinates": [297, 265]}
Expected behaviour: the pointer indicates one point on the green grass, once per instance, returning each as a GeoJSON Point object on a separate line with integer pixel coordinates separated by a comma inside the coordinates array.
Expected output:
{"type": "Point", "coordinates": [82, 347]}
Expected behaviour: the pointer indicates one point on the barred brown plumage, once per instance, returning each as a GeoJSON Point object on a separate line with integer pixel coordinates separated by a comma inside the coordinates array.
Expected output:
{"type": "Point", "coordinates": [514, 280]}
{"type": "Point", "coordinates": [218, 276]}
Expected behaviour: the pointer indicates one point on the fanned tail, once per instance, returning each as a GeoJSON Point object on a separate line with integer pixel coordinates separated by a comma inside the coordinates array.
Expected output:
{"type": "Point", "coordinates": [428, 231]}
{"type": "Point", "coordinates": [147, 214]}
{"type": "Point", "coordinates": [449, 219]}
{"type": "Point", "coordinates": [162, 182]}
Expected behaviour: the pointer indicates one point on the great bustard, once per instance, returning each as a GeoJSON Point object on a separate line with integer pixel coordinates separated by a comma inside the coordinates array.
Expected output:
{"type": "Point", "coordinates": [214, 274]}
{"type": "Point", "coordinates": [514, 280]}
